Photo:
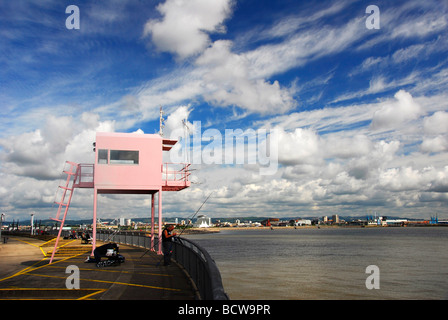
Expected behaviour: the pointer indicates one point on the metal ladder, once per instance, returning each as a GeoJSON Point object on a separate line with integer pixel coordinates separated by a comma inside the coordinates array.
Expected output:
{"type": "Point", "coordinates": [67, 192]}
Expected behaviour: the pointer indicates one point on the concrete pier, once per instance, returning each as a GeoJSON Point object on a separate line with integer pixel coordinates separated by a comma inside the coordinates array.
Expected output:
{"type": "Point", "coordinates": [25, 273]}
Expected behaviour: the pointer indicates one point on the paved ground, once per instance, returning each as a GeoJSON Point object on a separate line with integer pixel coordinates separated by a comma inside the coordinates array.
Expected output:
{"type": "Point", "coordinates": [25, 273]}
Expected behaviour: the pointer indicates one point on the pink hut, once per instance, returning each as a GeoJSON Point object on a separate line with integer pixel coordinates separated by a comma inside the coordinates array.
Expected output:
{"type": "Point", "coordinates": [125, 163]}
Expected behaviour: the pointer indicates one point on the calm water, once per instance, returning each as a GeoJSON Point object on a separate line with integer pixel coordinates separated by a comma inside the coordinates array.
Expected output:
{"type": "Point", "coordinates": [330, 263]}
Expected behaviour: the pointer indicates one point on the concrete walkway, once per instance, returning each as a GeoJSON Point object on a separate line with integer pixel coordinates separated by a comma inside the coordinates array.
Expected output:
{"type": "Point", "coordinates": [26, 274]}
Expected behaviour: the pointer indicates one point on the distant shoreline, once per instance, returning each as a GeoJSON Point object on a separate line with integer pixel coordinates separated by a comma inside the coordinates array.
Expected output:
{"type": "Point", "coordinates": [273, 228]}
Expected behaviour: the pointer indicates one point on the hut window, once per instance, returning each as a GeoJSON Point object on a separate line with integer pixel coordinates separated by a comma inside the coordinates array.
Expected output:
{"type": "Point", "coordinates": [123, 157]}
{"type": "Point", "coordinates": [102, 156]}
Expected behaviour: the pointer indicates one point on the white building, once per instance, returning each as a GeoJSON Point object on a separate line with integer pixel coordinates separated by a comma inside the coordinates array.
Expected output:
{"type": "Point", "coordinates": [302, 222]}
{"type": "Point", "coordinates": [125, 222]}
{"type": "Point", "coordinates": [203, 222]}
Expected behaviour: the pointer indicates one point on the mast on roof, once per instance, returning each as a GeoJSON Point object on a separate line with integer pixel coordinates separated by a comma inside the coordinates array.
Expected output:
{"type": "Point", "coordinates": [161, 122]}
{"type": "Point", "coordinates": [186, 139]}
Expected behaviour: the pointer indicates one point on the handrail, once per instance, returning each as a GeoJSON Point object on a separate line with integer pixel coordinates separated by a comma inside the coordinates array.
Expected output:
{"type": "Point", "coordinates": [213, 290]}
{"type": "Point", "coordinates": [184, 172]}
{"type": "Point", "coordinates": [86, 174]}
{"type": "Point", "coordinates": [196, 261]}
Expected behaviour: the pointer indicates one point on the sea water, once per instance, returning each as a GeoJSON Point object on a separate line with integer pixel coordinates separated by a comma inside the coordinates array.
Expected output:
{"type": "Point", "coordinates": [331, 263]}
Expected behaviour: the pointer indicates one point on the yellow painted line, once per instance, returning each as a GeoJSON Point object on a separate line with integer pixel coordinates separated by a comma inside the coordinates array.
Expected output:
{"type": "Point", "coordinates": [61, 246]}
{"type": "Point", "coordinates": [92, 294]}
{"type": "Point", "coordinates": [121, 271]}
{"type": "Point", "coordinates": [67, 243]}
{"type": "Point", "coordinates": [95, 291]}
{"type": "Point", "coordinates": [32, 244]}
{"type": "Point", "coordinates": [28, 269]}
{"type": "Point", "coordinates": [110, 282]}
{"type": "Point", "coordinates": [43, 244]}
{"type": "Point", "coordinates": [24, 270]}
{"type": "Point", "coordinates": [43, 252]}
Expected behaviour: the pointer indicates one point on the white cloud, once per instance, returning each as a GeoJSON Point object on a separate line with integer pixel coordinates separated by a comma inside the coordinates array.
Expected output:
{"type": "Point", "coordinates": [410, 21]}
{"type": "Point", "coordinates": [436, 144]}
{"type": "Point", "coordinates": [337, 146]}
{"type": "Point", "coordinates": [221, 78]}
{"type": "Point", "coordinates": [392, 115]}
{"type": "Point", "coordinates": [298, 147]}
{"type": "Point", "coordinates": [186, 23]}
{"type": "Point", "coordinates": [176, 119]}
{"type": "Point", "coordinates": [437, 123]}
{"type": "Point", "coordinates": [227, 81]}
{"type": "Point", "coordinates": [436, 128]}
{"type": "Point", "coordinates": [303, 47]}
{"type": "Point", "coordinates": [420, 26]}
{"type": "Point", "coordinates": [32, 162]}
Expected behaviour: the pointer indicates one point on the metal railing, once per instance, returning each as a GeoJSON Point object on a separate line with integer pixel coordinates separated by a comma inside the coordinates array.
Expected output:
{"type": "Point", "coordinates": [175, 171]}
{"type": "Point", "coordinates": [196, 261]}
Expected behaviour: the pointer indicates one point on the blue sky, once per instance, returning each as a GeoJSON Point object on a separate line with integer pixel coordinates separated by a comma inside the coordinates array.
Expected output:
{"type": "Point", "coordinates": [361, 113]}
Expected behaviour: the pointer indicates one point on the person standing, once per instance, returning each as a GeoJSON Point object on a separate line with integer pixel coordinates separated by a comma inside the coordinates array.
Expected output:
{"type": "Point", "coordinates": [167, 244]}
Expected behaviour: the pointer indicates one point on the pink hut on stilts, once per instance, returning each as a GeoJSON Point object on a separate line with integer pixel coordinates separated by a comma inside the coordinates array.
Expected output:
{"type": "Point", "coordinates": [125, 163]}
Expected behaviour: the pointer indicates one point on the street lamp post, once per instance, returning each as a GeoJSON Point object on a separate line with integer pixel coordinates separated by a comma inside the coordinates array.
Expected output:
{"type": "Point", "coordinates": [1, 224]}
{"type": "Point", "coordinates": [32, 224]}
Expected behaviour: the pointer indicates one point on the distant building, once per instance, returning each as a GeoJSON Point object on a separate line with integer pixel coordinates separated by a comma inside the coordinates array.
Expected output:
{"type": "Point", "coordinates": [203, 222]}
{"type": "Point", "coordinates": [125, 222]}
{"type": "Point", "coordinates": [302, 222]}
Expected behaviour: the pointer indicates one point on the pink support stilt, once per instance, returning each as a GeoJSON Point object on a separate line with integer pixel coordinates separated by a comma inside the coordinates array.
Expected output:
{"type": "Point", "coordinates": [152, 221]}
{"type": "Point", "coordinates": [95, 205]}
{"type": "Point", "coordinates": [160, 222]}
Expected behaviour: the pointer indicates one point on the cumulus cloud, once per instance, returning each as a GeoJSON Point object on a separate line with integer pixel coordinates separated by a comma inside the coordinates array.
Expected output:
{"type": "Point", "coordinates": [437, 123]}
{"type": "Point", "coordinates": [298, 147]}
{"type": "Point", "coordinates": [395, 114]}
{"type": "Point", "coordinates": [176, 119]}
{"type": "Point", "coordinates": [221, 78]}
{"type": "Point", "coordinates": [435, 128]}
{"type": "Point", "coordinates": [32, 162]}
{"type": "Point", "coordinates": [186, 24]}
{"type": "Point", "coordinates": [228, 81]}
{"type": "Point", "coordinates": [436, 144]}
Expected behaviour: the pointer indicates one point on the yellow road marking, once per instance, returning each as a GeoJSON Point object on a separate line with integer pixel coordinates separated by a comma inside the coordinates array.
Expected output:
{"type": "Point", "coordinates": [121, 271]}
{"type": "Point", "coordinates": [43, 244]}
{"type": "Point", "coordinates": [23, 270]}
{"type": "Point", "coordinates": [110, 282]}
{"type": "Point", "coordinates": [67, 243]}
{"type": "Point", "coordinates": [92, 294]}
{"type": "Point", "coordinates": [31, 244]}
{"type": "Point", "coordinates": [28, 269]}
{"type": "Point", "coordinates": [95, 291]}
{"type": "Point", "coordinates": [43, 252]}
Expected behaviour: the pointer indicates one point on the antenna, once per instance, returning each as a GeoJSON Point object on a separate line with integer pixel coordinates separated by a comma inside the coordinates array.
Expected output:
{"type": "Point", "coordinates": [161, 121]}
{"type": "Point", "coordinates": [186, 140]}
